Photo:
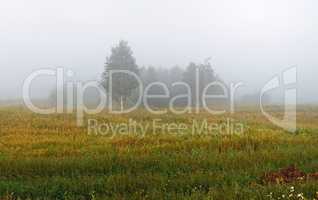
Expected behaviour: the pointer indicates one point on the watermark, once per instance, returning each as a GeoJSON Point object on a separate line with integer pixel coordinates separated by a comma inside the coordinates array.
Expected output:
{"type": "Point", "coordinates": [158, 126]}
{"type": "Point", "coordinates": [195, 97]}
{"type": "Point", "coordinates": [287, 81]}
{"type": "Point", "coordinates": [195, 102]}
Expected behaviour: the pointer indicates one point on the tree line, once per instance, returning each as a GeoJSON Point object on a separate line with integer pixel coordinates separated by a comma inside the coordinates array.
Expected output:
{"type": "Point", "coordinates": [185, 84]}
{"type": "Point", "coordinates": [124, 86]}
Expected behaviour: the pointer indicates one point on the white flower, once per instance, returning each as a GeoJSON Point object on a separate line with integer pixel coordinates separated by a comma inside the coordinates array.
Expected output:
{"type": "Point", "coordinates": [292, 189]}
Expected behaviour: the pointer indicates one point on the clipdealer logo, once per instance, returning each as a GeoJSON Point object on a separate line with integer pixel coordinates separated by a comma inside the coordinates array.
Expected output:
{"type": "Point", "coordinates": [286, 80]}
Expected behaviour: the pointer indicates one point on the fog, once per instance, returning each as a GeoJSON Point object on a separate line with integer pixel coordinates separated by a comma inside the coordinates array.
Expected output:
{"type": "Point", "coordinates": [248, 40]}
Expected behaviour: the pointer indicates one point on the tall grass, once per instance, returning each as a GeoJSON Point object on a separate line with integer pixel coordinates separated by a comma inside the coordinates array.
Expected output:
{"type": "Point", "coordinates": [49, 157]}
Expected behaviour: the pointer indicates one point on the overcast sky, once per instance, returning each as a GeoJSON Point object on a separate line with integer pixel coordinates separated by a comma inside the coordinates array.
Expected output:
{"type": "Point", "coordinates": [248, 40]}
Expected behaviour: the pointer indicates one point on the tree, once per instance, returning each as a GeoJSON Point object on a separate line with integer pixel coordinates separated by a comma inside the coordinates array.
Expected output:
{"type": "Point", "coordinates": [175, 74]}
{"type": "Point", "coordinates": [150, 75]}
{"type": "Point", "coordinates": [122, 84]}
{"type": "Point", "coordinates": [198, 77]}
{"type": "Point", "coordinates": [189, 77]}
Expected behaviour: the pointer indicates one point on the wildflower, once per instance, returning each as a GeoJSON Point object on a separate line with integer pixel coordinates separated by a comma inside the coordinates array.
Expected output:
{"type": "Point", "coordinates": [292, 189]}
{"type": "Point", "coordinates": [300, 196]}
{"type": "Point", "coordinates": [270, 195]}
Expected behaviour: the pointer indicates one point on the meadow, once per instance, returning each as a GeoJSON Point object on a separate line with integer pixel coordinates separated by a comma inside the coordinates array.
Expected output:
{"type": "Point", "coordinates": [50, 157]}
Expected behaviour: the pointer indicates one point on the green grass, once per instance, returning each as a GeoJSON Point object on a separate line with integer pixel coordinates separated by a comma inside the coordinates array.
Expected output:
{"type": "Point", "coordinates": [49, 157]}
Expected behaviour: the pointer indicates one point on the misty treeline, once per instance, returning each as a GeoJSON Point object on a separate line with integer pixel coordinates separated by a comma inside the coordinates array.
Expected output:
{"type": "Point", "coordinates": [176, 86]}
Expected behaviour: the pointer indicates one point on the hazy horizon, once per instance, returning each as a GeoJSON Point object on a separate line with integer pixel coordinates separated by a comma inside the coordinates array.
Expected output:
{"type": "Point", "coordinates": [248, 41]}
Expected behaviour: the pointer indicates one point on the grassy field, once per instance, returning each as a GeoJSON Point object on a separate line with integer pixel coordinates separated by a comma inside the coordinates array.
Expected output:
{"type": "Point", "coordinates": [49, 157]}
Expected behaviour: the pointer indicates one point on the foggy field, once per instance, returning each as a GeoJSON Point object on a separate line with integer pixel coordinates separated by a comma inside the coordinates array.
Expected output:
{"type": "Point", "coordinates": [151, 100]}
{"type": "Point", "coordinates": [50, 157]}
